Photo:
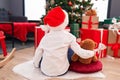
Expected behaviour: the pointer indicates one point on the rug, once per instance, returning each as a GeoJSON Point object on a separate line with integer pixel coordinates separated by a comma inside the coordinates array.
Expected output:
{"type": "Point", "coordinates": [28, 70]}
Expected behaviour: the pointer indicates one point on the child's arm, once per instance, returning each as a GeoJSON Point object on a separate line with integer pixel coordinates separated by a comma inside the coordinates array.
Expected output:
{"type": "Point", "coordinates": [79, 51]}
{"type": "Point", "coordinates": [37, 56]}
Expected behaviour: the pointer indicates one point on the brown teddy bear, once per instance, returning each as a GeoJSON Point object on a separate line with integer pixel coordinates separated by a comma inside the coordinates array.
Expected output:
{"type": "Point", "coordinates": [87, 44]}
{"type": "Point", "coordinates": [91, 12]}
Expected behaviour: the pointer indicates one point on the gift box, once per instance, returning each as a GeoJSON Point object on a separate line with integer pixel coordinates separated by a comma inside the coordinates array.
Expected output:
{"type": "Point", "coordinates": [100, 36]}
{"type": "Point", "coordinates": [90, 22]}
{"type": "Point", "coordinates": [39, 33]}
{"type": "Point", "coordinates": [74, 29]}
{"type": "Point", "coordinates": [113, 44]}
{"type": "Point", "coordinates": [110, 21]}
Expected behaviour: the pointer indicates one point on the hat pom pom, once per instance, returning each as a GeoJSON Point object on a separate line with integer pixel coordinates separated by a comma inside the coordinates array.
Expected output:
{"type": "Point", "coordinates": [45, 28]}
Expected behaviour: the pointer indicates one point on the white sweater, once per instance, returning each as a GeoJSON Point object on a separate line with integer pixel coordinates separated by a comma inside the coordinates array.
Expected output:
{"type": "Point", "coordinates": [53, 49]}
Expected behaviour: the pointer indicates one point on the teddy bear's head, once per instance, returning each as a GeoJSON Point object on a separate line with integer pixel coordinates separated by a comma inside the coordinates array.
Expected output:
{"type": "Point", "coordinates": [91, 12]}
{"type": "Point", "coordinates": [88, 44]}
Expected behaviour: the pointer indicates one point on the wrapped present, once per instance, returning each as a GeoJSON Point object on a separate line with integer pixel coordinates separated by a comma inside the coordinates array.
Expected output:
{"type": "Point", "coordinates": [118, 18]}
{"type": "Point", "coordinates": [90, 22]}
{"type": "Point", "coordinates": [111, 21]}
{"type": "Point", "coordinates": [74, 29]}
{"type": "Point", "coordinates": [39, 33]}
{"type": "Point", "coordinates": [100, 36]}
{"type": "Point", "coordinates": [113, 43]}
{"type": "Point", "coordinates": [108, 21]}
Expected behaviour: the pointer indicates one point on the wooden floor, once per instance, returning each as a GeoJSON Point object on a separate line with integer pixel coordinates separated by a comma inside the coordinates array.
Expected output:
{"type": "Point", "coordinates": [111, 67]}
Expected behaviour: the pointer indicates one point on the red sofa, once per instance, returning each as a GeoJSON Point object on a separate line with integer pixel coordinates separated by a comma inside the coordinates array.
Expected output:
{"type": "Point", "coordinates": [21, 29]}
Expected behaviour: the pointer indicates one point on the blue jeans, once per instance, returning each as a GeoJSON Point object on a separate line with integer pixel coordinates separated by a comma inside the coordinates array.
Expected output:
{"type": "Point", "coordinates": [70, 53]}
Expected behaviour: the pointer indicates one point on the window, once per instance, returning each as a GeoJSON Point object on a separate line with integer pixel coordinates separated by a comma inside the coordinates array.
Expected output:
{"type": "Point", "coordinates": [101, 6]}
{"type": "Point", "coordinates": [34, 9]}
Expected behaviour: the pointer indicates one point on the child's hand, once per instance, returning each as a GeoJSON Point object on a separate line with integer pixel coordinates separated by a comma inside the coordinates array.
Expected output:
{"type": "Point", "coordinates": [78, 40]}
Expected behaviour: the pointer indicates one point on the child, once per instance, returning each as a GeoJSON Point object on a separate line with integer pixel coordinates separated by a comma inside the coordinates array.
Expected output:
{"type": "Point", "coordinates": [54, 46]}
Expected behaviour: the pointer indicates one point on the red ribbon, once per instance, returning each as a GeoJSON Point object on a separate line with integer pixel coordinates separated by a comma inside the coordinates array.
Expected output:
{"type": "Point", "coordinates": [115, 47]}
{"type": "Point", "coordinates": [90, 23]}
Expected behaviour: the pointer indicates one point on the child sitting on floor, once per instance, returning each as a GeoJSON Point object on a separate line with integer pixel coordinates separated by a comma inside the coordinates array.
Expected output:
{"type": "Point", "coordinates": [53, 48]}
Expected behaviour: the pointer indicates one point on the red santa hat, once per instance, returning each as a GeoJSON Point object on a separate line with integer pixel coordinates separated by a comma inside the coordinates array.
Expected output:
{"type": "Point", "coordinates": [56, 19]}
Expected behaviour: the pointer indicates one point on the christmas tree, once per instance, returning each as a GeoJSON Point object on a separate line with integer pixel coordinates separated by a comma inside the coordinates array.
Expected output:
{"type": "Point", "coordinates": [75, 8]}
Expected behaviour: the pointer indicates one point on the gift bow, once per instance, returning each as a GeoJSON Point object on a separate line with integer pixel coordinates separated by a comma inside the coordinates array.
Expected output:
{"type": "Point", "coordinates": [115, 26]}
{"type": "Point", "coordinates": [101, 47]}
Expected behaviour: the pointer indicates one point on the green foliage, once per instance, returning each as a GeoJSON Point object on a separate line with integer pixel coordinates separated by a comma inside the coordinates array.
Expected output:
{"type": "Point", "coordinates": [75, 8]}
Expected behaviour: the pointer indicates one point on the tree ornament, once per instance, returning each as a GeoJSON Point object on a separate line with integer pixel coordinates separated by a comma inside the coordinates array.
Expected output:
{"type": "Point", "coordinates": [70, 3]}
{"type": "Point", "coordinates": [73, 7]}
{"type": "Point", "coordinates": [56, 4]}
{"type": "Point", "coordinates": [52, 2]}
{"type": "Point", "coordinates": [81, 7]}
{"type": "Point", "coordinates": [61, 2]}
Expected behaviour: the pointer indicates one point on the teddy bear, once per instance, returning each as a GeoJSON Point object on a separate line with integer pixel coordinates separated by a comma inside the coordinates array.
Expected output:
{"type": "Point", "coordinates": [91, 12]}
{"type": "Point", "coordinates": [87, 44]}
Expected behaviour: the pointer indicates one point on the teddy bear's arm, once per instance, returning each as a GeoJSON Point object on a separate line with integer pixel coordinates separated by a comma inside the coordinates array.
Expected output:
{"type": "Point", "coordinates": [74, 57]}
{"type": "Point", "coordinates": [95, 59]}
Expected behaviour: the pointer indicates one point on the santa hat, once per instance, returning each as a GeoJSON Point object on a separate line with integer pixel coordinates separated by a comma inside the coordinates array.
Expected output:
{"type": "Point", "coordinates": [56, 19]}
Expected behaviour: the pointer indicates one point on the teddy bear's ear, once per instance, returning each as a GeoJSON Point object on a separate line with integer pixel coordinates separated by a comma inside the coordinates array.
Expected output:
{"type": "Point", "coordinates": [81, 43]}
{"type": "Point", "coordinates": [96, 44]}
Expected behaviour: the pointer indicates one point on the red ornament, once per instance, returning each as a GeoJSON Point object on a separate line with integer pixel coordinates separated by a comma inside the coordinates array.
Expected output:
{"type": "Point", "coordinates": [70, 3]}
